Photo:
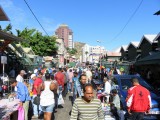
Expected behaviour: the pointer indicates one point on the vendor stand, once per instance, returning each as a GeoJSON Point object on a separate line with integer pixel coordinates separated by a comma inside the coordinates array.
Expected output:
{"type": "Point", "coordinates": [9, 109]}
{"type": "Point", "coordinates": [106, 109]}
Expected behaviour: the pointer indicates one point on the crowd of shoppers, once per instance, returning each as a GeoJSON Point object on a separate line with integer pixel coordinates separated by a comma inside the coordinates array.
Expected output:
{"type": "Point", "coordinates": [46, 85]}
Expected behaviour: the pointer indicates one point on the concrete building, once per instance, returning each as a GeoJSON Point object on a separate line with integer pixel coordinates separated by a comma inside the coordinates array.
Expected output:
{"type": "Point", "coordinates": [85, 52]}
{"type": "Point", "coordinates": [65, 33]}
{"type": "Point", "coordinates": [96, 53]}
{"type": "Point", "coordinates": [92, 54]}
{"type": "Point", "coordinates": [113, 56]}
{"type": "Point", "coordinates": [61, 52]}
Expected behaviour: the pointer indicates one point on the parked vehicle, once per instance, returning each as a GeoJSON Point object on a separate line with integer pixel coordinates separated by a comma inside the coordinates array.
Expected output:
{"type": "Point", "coordinates": [123, 82]}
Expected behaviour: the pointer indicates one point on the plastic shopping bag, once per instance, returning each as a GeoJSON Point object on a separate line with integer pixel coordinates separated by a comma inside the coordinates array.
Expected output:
{"type": "Point", "coordinates": [60, 100]}
{"type": "Point", "coordinates": [20, 113]}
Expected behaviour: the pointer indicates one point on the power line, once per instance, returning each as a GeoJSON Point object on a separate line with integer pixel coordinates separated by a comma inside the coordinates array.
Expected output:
{"type": "Point", "coordinates": [130, 18]}
{"type": "Point", "coordinates": [35, 17]}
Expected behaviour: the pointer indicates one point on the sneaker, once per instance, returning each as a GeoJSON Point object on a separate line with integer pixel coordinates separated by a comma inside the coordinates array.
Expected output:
{"type": "Point", "coordinates": [34, 116]}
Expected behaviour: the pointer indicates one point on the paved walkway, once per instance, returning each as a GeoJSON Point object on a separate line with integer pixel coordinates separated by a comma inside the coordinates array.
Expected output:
{"type": "Point", "coordinates": [62, 112]}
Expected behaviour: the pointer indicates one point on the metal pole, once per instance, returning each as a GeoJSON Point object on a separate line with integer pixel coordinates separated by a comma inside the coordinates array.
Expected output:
{"type": "Point", "coordinates": [3, 72]}
{"type": "Point", "coordinates": [100, 59]}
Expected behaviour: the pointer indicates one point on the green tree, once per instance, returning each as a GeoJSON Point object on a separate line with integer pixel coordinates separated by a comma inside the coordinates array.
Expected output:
{"type": "Point", "coordinates": [7, 29]}
{"type": "Point", "coordinates": [41, 45]}
{"type": "Point", "coordinates": [72, 51]}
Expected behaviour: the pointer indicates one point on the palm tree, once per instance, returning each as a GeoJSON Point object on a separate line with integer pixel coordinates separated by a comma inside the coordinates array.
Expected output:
{"type": "Point", "coordinates": [86, 55]}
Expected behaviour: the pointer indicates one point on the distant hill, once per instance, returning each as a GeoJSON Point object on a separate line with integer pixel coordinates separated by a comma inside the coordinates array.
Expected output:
{"type": "Point", "coordinates": [78, 46]}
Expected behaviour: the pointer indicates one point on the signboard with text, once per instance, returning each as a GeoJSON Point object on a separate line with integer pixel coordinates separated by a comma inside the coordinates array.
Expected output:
{"type": "Point", "coordinates": [3, 59]}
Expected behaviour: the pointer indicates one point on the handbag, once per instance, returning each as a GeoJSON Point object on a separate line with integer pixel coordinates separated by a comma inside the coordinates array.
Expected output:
{"type": "Point", "coordinates": [36, 100]}
{"type": "Point", "coordinates": [60, 100]}
{"type": "Point", "coordinates": [20, 113]}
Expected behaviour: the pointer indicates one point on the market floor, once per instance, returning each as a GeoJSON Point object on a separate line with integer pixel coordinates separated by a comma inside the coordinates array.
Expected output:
{"type": "Point", "coordinates": [62, 112]}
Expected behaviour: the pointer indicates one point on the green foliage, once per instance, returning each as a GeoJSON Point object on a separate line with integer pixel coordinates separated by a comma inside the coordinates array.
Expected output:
{"type": "Point", "coordinates": [41, 45]}
{"type": "Point", "coordinates": [72, 51]}
{"type": "Point", "coordinates": [7, 29]}
{"type": "Point", "coordinates": [86, 52]}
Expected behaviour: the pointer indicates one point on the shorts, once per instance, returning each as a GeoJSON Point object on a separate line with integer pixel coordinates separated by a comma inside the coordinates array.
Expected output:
{"type": "Point", "coordinates": [48, 108]}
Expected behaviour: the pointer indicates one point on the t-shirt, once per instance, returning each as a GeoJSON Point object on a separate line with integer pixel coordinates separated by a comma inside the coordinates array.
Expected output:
{"type": "Point", "coordinates": [59, 77]}
{"type": "Point", "coordinates": [116, 101]}
{"type": "Point", "coordinates": [76, 82]}
{"type": "Point", "coordinates": [87, 111]}
{"type": "Point", "coordinates": [36, 83]}
{"type": "Point", "coordinates": [19, 78]}
{"type": "Point", "coordinates": [107, 87]}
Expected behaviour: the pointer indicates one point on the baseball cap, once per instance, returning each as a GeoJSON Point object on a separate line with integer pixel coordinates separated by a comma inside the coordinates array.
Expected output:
{"type": "Point", "coordinates": [33, 75]}
{"type": "Point", "coordinates": [23, 71]}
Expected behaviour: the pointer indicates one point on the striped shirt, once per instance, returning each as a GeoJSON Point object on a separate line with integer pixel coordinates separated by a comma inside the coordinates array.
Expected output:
{"type": "Point", "coordinates": [87, 111]}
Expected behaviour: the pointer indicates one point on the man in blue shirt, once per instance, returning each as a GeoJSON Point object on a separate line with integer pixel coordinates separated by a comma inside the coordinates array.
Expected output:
{"type": "Point", "coordinates": [76, 86]}
{"type": "Point", "coordinates": [23, 95]}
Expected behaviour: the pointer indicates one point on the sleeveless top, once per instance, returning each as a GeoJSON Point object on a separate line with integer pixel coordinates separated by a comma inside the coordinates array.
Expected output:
{"type": "Point", "coordinates": [47, 96]}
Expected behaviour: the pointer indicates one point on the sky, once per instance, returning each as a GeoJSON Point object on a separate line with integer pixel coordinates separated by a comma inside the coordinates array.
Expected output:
{"type": "Point", "coordinates": [112, 22]}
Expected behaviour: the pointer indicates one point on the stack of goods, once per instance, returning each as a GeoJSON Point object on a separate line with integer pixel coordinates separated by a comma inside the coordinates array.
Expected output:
{"type": "Point", "coordinates": [7, 107]}
{"type": "Point", "coordinates": [107, 113]}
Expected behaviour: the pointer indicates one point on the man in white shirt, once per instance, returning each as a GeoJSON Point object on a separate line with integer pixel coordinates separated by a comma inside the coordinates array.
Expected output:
{"type": "Point", "coordinates": [107, 89]}
{"type": "Point", "coordinates": [107, 86]}
{"type": "Point", "coordinates": [19, 78]}
{"type": "Point", "coordinates": [89, 75]}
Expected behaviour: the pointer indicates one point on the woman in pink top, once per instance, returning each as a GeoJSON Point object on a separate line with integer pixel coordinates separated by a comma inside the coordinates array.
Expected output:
{"type": "Point", "coordinates": [70, 74]}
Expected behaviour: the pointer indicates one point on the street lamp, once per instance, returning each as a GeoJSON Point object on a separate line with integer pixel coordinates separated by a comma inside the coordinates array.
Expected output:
{"type": "Point", "coordinates": [100, 54]}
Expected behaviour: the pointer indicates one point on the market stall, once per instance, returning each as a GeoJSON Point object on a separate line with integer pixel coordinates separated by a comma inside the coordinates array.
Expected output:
{"type": "Point", "coordinates": [9, 109]}
{"type": "Point", "coordinates": [107, 113]}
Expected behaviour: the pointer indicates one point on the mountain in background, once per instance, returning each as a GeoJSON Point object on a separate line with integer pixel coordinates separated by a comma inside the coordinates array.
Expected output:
{"type": "Point", "coordinates": [78, 46]}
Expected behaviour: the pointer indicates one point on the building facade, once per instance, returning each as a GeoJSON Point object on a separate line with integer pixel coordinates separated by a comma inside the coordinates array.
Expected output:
{"type": "Point", "coordinates": [92, 54]}
{"type": "Point", "coordinates": [65, 33]}
{"type": "Point", "coordinates": [61, 53]}
{"type": "Point", "coordinates": [132, 51]}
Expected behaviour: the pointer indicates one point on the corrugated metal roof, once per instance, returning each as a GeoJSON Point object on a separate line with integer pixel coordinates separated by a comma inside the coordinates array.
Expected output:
{"type": "Point", "coordinates": [124, 47]}
{"type": "Point", "coordinates": [3, 16]}
{"type": "Point", "coordinates": [134, 43]}
{"type": "Point", "coordinates": [150, 38]}
{"type": "Point", "coordinates": [113, 54]}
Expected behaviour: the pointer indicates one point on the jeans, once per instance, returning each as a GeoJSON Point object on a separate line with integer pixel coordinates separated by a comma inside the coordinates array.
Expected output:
{"type": "Point", "coordinates": [136, 116]}
{"type": "Point", "coordinates": [64, 92]}
{"type": "Point", "coordinates": [75, 91]}
{"type": "Point", "coordinates": [36, 108]}
{"type": "Point", "coordinates": [60, 89]}
{"type": "Point", "coordinates": [48, 108]}
{"type": "Point", "coordinates": [70, 86]}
